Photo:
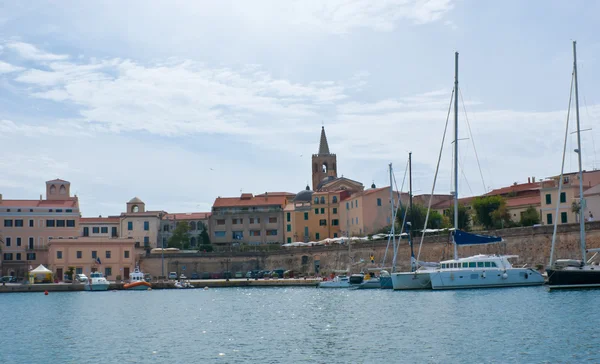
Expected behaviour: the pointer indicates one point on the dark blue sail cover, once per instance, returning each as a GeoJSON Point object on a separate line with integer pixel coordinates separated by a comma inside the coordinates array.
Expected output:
{"type": "Point", "coordinates": [464, 238]}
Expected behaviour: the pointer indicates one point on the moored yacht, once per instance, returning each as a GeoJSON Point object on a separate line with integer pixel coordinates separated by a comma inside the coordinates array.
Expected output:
{"type": "Point", "coordinates": [336, 282]}
{"type": "Point", "coordinates": [137, 281]}
{"type": "Point", "coordinates": [418, 279]}
{"type": "Point", "coordinates": [483, 271]}
{"type": "Point", "coordinates": [96, 282]}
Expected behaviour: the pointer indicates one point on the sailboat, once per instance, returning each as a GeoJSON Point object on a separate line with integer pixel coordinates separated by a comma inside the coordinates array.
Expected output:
{"type": "Point", "coordinates": [572, 273]}
{"type": "Point", "coordinates": [479, 271]}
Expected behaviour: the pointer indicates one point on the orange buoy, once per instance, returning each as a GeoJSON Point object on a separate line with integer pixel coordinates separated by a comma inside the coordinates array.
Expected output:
{"type": "Point", "coordinates": [45, 293]}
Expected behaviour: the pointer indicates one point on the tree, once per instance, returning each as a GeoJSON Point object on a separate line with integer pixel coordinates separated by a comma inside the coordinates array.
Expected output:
{"type": "Point", "coordinates": [530, 217]}
{"type": "Point", "coordinates": [204, 241]}
{"type": "Point", "coordinates": [491, 211]}
{"type": "Point", "coordinates": [576, 208]}
{"type": "Point", "coordinates": [417, 217]}
{"type": "Point", "coordinates": [181, 237]}
{"type": "Point", "coordinates": [464, 217]}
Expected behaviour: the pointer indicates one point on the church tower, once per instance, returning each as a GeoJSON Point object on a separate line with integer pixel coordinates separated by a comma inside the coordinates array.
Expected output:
{"type": "Point", "coordinates": [324, 164]}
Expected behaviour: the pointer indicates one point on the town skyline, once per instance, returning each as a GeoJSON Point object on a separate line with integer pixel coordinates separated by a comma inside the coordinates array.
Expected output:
{"type": "Point", "coordinates": [170, 115]}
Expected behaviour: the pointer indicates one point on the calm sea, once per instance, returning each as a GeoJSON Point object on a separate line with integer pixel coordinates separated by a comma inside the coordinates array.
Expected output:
{"type": "Point", "coordinates": [301, 325]}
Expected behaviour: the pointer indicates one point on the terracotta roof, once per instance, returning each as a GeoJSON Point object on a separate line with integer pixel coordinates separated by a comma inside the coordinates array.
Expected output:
{"type": "Point", "coordinates": [40, 203]}
{"type": "Point", "coordinates": [515, 188]}
{"type": "Point", "coordinates": [100, 220]}
{"type": "Point", "coordinates": [289, 194]}
{"type": "Point", "coordinates": [450, 203]}
{"type": "Point", "coordinates": [187, 216]}
{"type": "Point", "coordinates": [145, 213]}
{"type": "Point", "coordinates": [514, 202]}
{"type": "Point", "coordinates": [249, 201]}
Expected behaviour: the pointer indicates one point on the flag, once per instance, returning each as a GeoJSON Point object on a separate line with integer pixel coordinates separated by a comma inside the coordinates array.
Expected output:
{"type": "Point", "coordinates": [98, 260]}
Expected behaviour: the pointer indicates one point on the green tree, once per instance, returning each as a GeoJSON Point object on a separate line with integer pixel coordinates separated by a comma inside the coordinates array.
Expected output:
{"type": "Point", "coordinates": [576, 208]}
{"type": "Point", "coordinates": [417, 217]}
{"type": "Point", "coordinates": [464, 217]}
{"type": "Point", "coordinates": [530, 217]}
{"type": "Point", "coordinates": [491, 211]}
{"type": "Point", "coordinates": [204, 241]}
{"type": "Point", "coordinates": [181, 237]}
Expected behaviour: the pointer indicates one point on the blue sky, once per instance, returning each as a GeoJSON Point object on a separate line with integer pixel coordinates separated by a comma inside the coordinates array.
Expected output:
{"type": "Point", "coordinates": [179, 102]}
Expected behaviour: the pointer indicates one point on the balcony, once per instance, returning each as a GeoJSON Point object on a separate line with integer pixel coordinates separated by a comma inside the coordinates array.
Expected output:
{"type": "Point", "coordinates": [37, 248]}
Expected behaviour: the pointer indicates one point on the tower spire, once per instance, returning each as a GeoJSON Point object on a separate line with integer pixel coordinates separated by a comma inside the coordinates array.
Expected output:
{"type": "Point", "coordinates": [323, 146]}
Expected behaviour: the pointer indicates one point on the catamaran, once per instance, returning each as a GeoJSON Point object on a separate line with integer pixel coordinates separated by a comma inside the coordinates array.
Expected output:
{"type": "Point", "coordinates": [573, 273]}
{"type": "Point", "coordinates": [479, 271]}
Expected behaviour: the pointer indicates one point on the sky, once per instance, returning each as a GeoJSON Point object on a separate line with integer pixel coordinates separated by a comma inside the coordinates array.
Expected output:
{"type": "Point", "coordinates": [180, 102]}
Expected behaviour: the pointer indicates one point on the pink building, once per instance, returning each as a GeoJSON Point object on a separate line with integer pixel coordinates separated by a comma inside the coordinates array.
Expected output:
{"type": "Point", "coordinates": [29, 225]}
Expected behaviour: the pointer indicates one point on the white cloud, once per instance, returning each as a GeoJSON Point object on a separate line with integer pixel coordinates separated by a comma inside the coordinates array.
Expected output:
{"type": "Point", "coordinates": [31, 52]}
{"type": "Point", "coordinates": [8, 68]}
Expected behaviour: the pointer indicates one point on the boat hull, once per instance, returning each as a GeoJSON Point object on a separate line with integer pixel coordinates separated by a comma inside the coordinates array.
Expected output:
{"type": "Point", "coordinates": [97, 287]}
{"type": "Point", "coordinates": [385, 282]}
{"type": "Point", "coordinates": [411, 280]}
{"type": "Point", "coordinates": [573, 278]}
{"type": "Point", "coordinates": [137, 286]}
{"type": "Point", "coordinates": [372, 283]}
{"type": "Point", "coordinates": [485, 278]}
{"type": "Point", "coordinates": [334, 284]}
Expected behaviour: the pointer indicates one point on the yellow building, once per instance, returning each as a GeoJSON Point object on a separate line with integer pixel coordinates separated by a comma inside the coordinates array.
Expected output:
{"type": "Point", "coordinates": [569, 195]}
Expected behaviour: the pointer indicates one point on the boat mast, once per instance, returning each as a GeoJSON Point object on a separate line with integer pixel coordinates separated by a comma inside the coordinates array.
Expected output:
{"type": "Point", "coordinates": [393, 230]}
{"type": "Point", "coordinates": [455, 149]}
{"type": "Point", "coordinates": [578, 151]}
{"type": "Point", "coordinates": [410, 206]}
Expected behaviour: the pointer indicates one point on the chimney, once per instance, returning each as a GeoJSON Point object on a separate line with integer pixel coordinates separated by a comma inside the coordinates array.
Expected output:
{"type": "Point", "coordinates": [266, 196]}
{"type": "Point", "coordinates": [0, 198]}
{"type": "Point", "coordinates": [533, 179]}
{"type": "Point", "coordinates": [40, 197]}
{"type": "Point", "coordinates": [528, 179]}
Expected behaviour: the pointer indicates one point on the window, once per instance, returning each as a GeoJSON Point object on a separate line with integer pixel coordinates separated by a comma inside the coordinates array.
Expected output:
{"type": "Point", "coordinates": [107, 254]}
{"type": "Point", "coordinates": [58, 254]}
{"type": "Point", "coordinates": [50, 210]}
{"type": "Point", "coordinates": [357, 220]}
{"type": "Point", "coordinates": [347, 206]}
{"type": "Point", "coordinates": [378, 202]}
{"type": "Point", "coordinates": [563, 197]}
{"type": "Point", "coordinates": [104, 229]}
{"type": "Point", "coordinates": [31, 241]}
{"type": "Point", "coordinates": [107, 272]}
{"type": "Point", "coordinates": [306, 216]}
{"type": "Point", "coordinates": [472, 264]}
{"type": "Point", "coordinates": [316, 200]}
{"type": "Point", "coordinates": [237, 221]}
{"type": "Point", "coordinates": [322, 211]}
{"type": "Point", "coordinates": [487, 264]}
{"type": "Point", "coordinates": [146, 240]}
{"type": "Point", "coordinates": [8, 223]}
{"type": "Point", "coordinates": [78, 270]}
{"type": "Point", "coordinates": [306, 231]}
{"type": "Point", "coordinates": [18, 241]}
{"type": "Point", "coordinates": [549, 219]}
{"type": "Point", "coordinates": [94, 254]}
{"type": "Point", "coordinates": [58, 210]}
{"type": "Point", "coordinates": [95, 230]}
{"type": "Point", "coordinates": [50, 223]}
{"type": "Point", "coordinates": [351, 204]}
{"type": "Point", "coordinates": [289, 217]}
{"type": "Point", "coordinates": [465, 265]}
{"type": "Point", "coordinates": [146, 225]}
{"type": "Point", "coordinates": [563, 218]}
{"type": "Point", "coordinates": [334, 199]}
{"type": "Point", "coordinates": [7, 241]}
{"type": "Point", "coordinates": [19, 223]}
{"type": "Point", "coordinates": [255, 220]}
{"type": "Point", "coordinates": [548, 199]}
{"type": "Point", "coordinates": [60, 223]}
{"type": "Point", "coordinates": [129, 225]}
{"type": "Point", "coordinates": [126, 254]}
{"type": "Point", "coordinates": [335, 222]}
{"type": "Point", "coordinates": [237, 235]}
{"type": "Point", "coordinates": [221, 222]}
{"type": "Point", "coordinates": [18, 256]}
{"type": "Point", "coordinates": [356, 203]}
{"type": "Point", "coordinates": [479, 264]}
{"type": "Point", "coordinates": [219, 234]}
{"type": "Point", "coordinates": [69, 210]}
{"type": "Point", "coordinates": [272, 220]}
{"type": "Point", "coordinates": [254, 232]}
{"type": "Point", "coordinates": [8, 256]}
{"type": "Point", "coordinates": [30, 223]}
{"type": "Point", "coordinates": [323, 199]}
{"type": "Point", "coordinates": [335, 235]}
{"type": "Point", "coordinates": [289, 240]}
{"type": "Point", "coordinates": [316, 211]}
{"type": "Point", "coordinates": [271, 232]}
{"type": "Point", "coordinates": [289, 227]}
{"type": "Point", "coordinates": [30, 256]}
{"type": "Point", "coordinates": [317, 236]}
{"type": "Point", "coordinates": [323, 222]}
{"type": "Point", "coordinates": [70, 223]}
{"type": "Point", "coordinates": [494, 264]}
{"type": "Point", "coordinates": [335, 210]}
{"type": "Point", "coordinates": [86, 231]}
{"type": "Point", "coordinates": [79, 254]}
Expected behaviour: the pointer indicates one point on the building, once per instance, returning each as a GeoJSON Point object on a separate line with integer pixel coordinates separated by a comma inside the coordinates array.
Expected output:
{"type": "Point", "coordinates": [29, 225]}
{"type": "Point", "coordinates": [569, 196]}
{"type": "Point", "coordinates": [96, 227]}
{"type": "Point", "coordinates": [197, 221]}
{"type": "Point", "coordinates": [367, 212]}
{"type": "Point", "coordinates": [248, 219]}
{"type": "Point", "coordinates": [519, 197]}
{"type": "Point", "coordinates": [140, 225]}
{"type": "Point", "coordinates": [114, 257]}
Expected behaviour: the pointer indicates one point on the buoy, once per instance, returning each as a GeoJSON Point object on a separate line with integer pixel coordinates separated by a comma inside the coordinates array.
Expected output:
{"type": "Point", "coordinates": [205, 288]}
{"type": "Point", "coordinates": [45, 293]}
{"type": "Point", "coordinates": [504, 276]}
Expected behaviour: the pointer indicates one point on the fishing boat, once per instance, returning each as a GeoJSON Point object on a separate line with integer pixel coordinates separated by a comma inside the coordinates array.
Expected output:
{"type": "Point", "coordinates": [137, 281]}
{"type": "Point", "coordinates": [573, 273]}
{"type": "Point", "coordinates": [96, 282]}
{"type": "Point", "coordinates": [479, 271]}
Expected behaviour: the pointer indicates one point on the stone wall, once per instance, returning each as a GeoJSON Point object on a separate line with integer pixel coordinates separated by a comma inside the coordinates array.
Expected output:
{"type": "Point", "coordinates": [531, 244]}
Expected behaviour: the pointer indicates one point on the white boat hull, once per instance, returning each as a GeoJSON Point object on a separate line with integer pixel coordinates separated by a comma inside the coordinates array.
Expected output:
{"type": "Point", "coordinates": [334, 284]}
{"type": "Point", "coordinates": [97, 287]}
{"type": "Point", "coordinates": [484, 278]}
{"type": "Point", "coordinates": [411, 280]}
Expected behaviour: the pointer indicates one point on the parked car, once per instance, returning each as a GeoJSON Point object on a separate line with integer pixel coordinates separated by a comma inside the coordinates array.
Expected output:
{"type": "Point", "coordinates": [279, 272]}
{"type": "Point", "coordinates": [195, 276]}
{"type": "Point", "coordinates": [8, 279]}
{"type": "Point", "coordinates": [81, 278]}
{"type": "Point", "coordinates": [205, 275]}
{"type": "Point", "coordinates": [173, 275]}
{"type": "Point", "coordinates": [249, 274]}
{"type": "Point", "coordinates": [289, 273]}
{"type": "Point", "coordinates": [182, 276]}
{"type": "Point", "coordinates": [147, 277]}
{"type": "Point", "coordinates": [239, 274]}
{"type": "Point", "coordinates": [227, 275]}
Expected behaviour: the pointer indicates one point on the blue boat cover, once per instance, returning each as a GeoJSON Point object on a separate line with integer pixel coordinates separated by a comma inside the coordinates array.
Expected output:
{"type": "Point", "coordinates": [464, 238]}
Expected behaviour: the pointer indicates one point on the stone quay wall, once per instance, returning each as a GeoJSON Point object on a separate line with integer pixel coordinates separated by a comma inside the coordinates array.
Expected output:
{"type": "Point", "coordinates": [531, 244]}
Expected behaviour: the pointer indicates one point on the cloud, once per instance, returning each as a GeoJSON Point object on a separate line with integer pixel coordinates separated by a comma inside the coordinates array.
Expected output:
{"type": "Point", "coordinates": [31, 52]}
{"type": "Point", "coordinates": [8, 68]}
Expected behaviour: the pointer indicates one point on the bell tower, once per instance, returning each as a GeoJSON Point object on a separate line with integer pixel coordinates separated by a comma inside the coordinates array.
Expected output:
{"type": "Point", "coordinates": [324, 164]}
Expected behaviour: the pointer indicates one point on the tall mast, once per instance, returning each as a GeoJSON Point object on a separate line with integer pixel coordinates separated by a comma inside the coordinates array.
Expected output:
{"type": "Point", "coordinates": [455, 149]}
{"type": "Point", "coordinates": [578, 151]}
{"type": "Point", "coordinates": [393, 221]}
{"type": "Point", "coordinates": [413, 264]}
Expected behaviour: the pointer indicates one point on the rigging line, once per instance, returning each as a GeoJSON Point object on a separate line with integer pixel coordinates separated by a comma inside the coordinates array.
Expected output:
{"type": "Point", "coordinates": [393, 220]}
{"type": "Point", "coordinates": [462, 171]}
{"type": "Point", "coordinates": [593, 141]}
{"type": "Point", "coordinates": [437, 168]}
{"type": "Point", "coordinates": [472, 140]}
{"type": "Point", "coordinates": [397, 244]}
{"type": "Point", "coordinates": [562, 170]}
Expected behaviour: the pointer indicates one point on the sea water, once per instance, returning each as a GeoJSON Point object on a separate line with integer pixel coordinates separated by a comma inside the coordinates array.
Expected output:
{"type": "Point", "coordinates": [301, 325]}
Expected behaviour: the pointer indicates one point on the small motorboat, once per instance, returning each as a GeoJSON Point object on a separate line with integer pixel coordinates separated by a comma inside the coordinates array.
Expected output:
{"type": "Point", "coordinates": [96, 282]}
{"type": "Point", "coordinates": [137, 281]}
{"type": "Point", "coordinates": [183, 284]}
{"type": "Point", "coordinates": [336, 282]}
